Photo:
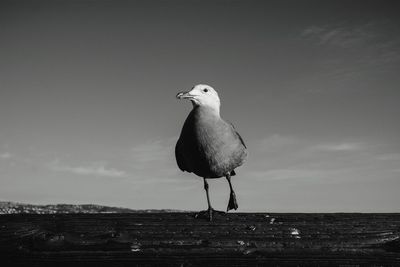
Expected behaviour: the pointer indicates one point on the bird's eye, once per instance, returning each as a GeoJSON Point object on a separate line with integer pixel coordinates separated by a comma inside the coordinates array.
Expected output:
{"type": "Point", "coordinates": [205, 90]}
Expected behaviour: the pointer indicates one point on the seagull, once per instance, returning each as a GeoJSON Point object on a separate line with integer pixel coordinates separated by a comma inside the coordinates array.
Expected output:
{"type": "Point", "coordinates": [208, 146]}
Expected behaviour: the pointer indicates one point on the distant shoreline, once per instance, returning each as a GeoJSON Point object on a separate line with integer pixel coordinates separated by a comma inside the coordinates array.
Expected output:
{"type": "Point", "coordinates": [9, 207]}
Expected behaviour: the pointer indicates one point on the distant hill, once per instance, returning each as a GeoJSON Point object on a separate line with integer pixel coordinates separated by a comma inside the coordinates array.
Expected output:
{"type": "Point", "coordinates": [22, 208]}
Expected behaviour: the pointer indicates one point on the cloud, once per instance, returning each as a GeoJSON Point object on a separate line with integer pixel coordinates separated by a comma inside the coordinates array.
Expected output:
{"type": "Point", "coordinates": [95, 169]}
{"type": "Point", "coordinates": [156, 155]}
{"type": "Point", "coordinates": [347, 55]}
{"type": "Point", "coordinates": [339, 147]}
{"type": "Point", "coordinates": [155, 151]}
{"type": "Point", "coordinates": [340, 36]}
{"type": "Point", "coordinates": [389, 157]}
{"type": "Point", "coordinates": [6, 155]}
{"type": "Point", "coordinates": [280, 157]}
{"type": "Point", "coordinates": [277, 141]}
{"type": "Point", "coordinates": [373, 41]}
{"type": "Point", "coordinates": [282, 174]}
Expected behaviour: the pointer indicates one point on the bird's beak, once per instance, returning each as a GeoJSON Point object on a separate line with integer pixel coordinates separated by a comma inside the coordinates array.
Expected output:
{"type": "Point", "coordinates": [183, 95]}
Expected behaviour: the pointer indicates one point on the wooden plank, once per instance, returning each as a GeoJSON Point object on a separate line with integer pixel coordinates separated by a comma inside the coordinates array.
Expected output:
{"type": "Point", "coordinates": [179, 239]}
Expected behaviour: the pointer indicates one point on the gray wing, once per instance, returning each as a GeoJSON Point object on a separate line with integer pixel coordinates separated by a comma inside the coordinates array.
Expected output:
{"type": "Point", "coordinates": [237, 134]}
{"type": "Point", "coordinates": [241, 141]}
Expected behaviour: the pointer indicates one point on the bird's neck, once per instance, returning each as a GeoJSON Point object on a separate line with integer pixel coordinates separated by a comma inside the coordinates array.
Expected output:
{"type": "Point", "coordinates": [210, 110]}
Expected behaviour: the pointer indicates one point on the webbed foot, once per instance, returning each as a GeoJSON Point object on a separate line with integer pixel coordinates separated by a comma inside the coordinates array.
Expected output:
{"type": "Point", "coordinates": [232, 202]}
{"type": "Point", "coordinates": [208, 214]}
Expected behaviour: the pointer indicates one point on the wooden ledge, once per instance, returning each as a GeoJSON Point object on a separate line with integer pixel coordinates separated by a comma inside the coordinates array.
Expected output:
{"type": "Point", "coordinates": [178, 239]}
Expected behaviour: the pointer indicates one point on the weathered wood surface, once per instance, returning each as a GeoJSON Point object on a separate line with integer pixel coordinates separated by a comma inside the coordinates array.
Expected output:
{"type": "Point", "coordinates": [178, 239]}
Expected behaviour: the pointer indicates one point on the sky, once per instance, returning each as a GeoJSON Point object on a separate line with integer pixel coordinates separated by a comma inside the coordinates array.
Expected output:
{"type": "Point", "coordinates": [88, 112]}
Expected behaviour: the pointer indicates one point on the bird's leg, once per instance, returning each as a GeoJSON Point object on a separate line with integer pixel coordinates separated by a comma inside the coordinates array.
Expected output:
{"type": "Point", "coordinates": [209, 212]}
{"type": "Point", "coordinates": [208, 199]}
{"type": "Point", "coordinates": [232, 199]}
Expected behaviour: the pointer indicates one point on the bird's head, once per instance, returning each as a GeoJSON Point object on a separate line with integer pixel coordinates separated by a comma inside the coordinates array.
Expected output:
{"type": "Point", "coordinates": [202, 95]}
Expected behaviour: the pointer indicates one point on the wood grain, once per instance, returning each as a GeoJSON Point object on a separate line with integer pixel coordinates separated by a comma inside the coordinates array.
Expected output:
{"type": "Point", "coordinates": [179, 239]}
